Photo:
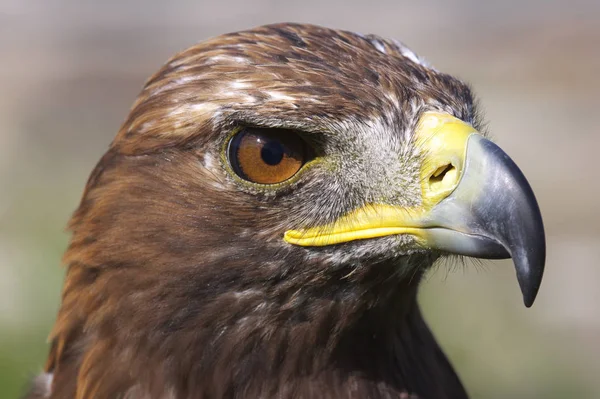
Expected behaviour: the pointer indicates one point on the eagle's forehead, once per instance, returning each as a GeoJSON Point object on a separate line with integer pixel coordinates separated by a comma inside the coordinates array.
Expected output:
{"type": "Point", "coordinates": [298, 63]}
{"type": "Point", "coordinates": [292, 72]}
{"type": "Point", "coordinates": [305, 63]}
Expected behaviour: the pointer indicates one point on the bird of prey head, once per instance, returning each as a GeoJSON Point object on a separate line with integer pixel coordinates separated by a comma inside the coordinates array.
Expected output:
{"type": "Point", "coordinates": [260, 224]}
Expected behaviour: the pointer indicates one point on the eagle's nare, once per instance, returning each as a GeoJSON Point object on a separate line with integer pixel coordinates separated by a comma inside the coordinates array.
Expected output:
{"type": "Point", "coordinates": [190, 277]}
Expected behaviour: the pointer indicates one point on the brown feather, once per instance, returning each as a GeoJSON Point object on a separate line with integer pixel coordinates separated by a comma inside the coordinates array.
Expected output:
{"type": "Point", "coordinates": [179, 284]}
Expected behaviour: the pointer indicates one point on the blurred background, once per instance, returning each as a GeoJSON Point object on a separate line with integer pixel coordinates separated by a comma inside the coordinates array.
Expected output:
{"type": "Point", "coordinates": [69, 71]}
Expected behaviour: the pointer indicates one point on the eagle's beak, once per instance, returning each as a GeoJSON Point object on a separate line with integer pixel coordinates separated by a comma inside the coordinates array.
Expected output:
{"type": "Point", "coordinates": [475, 202]}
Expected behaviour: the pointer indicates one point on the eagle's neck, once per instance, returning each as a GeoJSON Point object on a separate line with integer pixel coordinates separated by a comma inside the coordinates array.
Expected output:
{"type": "Point", "coordinates": [402, 357]}
{"type": "Point", "coordinates": [388, 351]}
{"type": "Point", "coordinates": [365, 346]}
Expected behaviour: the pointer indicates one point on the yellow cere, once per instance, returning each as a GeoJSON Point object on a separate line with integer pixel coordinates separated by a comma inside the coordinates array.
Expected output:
{"type": "Point", "coordinates": [442, 139]}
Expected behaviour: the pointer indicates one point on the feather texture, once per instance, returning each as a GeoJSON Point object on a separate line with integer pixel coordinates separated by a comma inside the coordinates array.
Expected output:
{"type": "Point", "coordinates": [179, 284]}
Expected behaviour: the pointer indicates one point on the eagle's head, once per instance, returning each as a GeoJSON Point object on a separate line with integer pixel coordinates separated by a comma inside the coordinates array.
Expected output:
{"type": "Point", "coordinates": [260, 224]}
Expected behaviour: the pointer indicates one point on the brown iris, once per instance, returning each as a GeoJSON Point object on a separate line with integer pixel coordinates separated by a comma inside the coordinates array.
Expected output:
{"type": "Point", "coordinates": [266, 156]}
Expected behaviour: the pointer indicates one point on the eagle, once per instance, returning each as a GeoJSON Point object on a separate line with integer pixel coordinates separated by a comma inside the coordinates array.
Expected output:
{"type": "Point", "coordinates": [261, 223]}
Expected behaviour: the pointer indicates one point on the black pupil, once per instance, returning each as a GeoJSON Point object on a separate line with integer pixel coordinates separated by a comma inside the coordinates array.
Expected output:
{"type": "Point", "coordinates": [272, 152]}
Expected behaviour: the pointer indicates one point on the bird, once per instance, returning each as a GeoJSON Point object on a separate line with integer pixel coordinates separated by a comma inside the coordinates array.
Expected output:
{"type": "Point", "coordinates": [262, 221]}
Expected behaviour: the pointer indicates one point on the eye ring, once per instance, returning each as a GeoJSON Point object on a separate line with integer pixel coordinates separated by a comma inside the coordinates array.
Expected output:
{"type": "Point", "coordinates": [266, 156]}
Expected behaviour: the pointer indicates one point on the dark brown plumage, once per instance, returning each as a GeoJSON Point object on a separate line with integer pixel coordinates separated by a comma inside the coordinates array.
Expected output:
{"type": "Point", "coordinates": [179, 284]}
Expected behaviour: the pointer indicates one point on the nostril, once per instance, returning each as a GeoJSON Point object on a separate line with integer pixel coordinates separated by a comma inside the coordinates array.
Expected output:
{"type": "Point", "coordinates": [442, 181]}
{"type": "Point", "coordinates": [439, 174]}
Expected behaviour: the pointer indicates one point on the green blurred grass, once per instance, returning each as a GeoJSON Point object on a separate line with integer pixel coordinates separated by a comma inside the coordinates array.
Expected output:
{"type": "Point", "coordinates": [33, 240]}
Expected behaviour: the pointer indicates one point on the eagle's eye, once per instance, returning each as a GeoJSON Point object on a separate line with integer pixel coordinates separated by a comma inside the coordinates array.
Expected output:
{"type": "Point", "coordinates": [266, 156]}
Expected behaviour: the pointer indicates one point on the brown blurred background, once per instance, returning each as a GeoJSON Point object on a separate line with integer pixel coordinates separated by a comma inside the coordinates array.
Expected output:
{"type": "Point", "coordinates": [69, 70]}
